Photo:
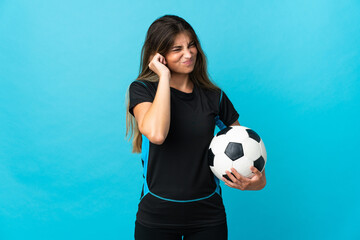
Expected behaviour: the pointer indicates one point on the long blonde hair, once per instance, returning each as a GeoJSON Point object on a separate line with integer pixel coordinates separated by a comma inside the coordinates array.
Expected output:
{"type": "Point", "coordinates": [159, 38]}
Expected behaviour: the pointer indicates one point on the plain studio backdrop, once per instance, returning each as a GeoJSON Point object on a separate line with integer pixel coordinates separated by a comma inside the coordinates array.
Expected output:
{"type": "Point", "coordinates": [291, 69]}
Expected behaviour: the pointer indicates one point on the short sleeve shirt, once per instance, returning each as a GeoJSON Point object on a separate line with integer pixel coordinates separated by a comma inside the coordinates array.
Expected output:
{"type": "Point", "coordinates": [179, 188]}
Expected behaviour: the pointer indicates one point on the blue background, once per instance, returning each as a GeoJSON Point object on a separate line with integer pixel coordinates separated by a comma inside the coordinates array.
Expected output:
{"type": "Point", "coordinates": [291, 69]}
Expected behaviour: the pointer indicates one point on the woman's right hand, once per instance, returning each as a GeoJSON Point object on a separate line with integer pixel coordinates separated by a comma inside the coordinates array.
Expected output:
{"type": "Point", "coordinates": [157, 65]}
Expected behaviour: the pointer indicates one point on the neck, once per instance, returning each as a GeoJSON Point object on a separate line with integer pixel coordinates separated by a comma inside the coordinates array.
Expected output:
{"type": "Point", "coordinates": [181, 82]}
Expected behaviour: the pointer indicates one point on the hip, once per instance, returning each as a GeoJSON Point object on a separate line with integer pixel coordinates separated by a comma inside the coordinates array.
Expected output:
{"type": "Point", "coordinates": [155, 212]}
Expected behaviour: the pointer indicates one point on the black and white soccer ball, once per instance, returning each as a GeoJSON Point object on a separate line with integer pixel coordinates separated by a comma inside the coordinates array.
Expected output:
{"type": "Point", "coordinates": [238, 147]}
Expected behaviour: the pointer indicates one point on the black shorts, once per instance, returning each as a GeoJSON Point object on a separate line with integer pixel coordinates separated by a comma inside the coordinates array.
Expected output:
{"type": "Point", "coordinates": [219, 232]}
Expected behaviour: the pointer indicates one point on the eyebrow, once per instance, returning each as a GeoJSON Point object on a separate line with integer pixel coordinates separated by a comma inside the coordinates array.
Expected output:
{"type": "Point", "coordinates": [181, 46]}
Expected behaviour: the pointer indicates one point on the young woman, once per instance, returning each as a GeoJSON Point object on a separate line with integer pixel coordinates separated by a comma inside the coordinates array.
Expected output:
{"type": "Point", "coordinates": [172, 111]}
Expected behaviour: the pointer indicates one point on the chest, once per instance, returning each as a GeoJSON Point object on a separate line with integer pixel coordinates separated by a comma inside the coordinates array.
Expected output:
{"type": "Point", "coordinates": [192, 119]}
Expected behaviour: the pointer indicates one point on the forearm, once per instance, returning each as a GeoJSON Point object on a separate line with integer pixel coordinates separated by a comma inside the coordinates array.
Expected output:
{"type": "Point", "coordinates": [157, 118]}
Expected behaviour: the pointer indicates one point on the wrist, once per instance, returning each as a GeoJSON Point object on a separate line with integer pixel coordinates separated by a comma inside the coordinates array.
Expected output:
{"type": "Point", "coordinates": [166, 75]}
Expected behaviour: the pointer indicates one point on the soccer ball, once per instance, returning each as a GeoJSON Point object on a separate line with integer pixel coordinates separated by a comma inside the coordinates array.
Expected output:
{"type": "Point", "coordinates": [238, 147]}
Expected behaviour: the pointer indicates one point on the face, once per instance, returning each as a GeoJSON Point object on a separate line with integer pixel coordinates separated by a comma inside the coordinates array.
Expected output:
{"type": "Point", "coordinates": [181, 57]}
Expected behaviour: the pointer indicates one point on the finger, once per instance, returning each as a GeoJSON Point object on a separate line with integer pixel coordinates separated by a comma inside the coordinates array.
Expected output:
{"type": "Point", "coordinates": [238, 175]}
{"type": "Point", "coordinates": [163, 60]}
{"type": "Point", "coordinates": [227, 182]}
{"type": "Point", "coordinates": [231, 176]}
{"type": "Point", "coordinates": [159, 57]}
{"type": "Point", "coordinates": [232, 185]}
{"type": "Point", "coordinates": [255, 171]}
{"type": "Point", "coordinates": [151, 57]}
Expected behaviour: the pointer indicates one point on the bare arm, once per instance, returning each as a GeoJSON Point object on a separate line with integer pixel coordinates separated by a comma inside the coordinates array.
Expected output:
{"type": "Point", "coordinates": [153, 119]}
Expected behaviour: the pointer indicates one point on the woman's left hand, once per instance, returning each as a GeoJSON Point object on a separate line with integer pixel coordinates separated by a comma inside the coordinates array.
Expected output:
{"type": "Point", "coordinates": [257, 182]}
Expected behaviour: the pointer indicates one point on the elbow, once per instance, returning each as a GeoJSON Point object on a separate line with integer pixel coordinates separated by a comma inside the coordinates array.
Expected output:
{"type": "Point", "coordinates": [157, 139]}
{"type": "Point", "coordinates": [154, 136]}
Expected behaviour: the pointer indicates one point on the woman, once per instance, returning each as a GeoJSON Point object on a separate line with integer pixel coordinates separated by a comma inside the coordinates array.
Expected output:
{"type": "Point", "coordinates": [172, 110]}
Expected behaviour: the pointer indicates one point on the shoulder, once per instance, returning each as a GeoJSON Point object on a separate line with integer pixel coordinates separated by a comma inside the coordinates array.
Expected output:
{"type": "Point", "coordinates": [214, 94]}
{"type": "Point", "coordinates": [142, 82]}
{"type": "Point", "coordinates": [144, 85]}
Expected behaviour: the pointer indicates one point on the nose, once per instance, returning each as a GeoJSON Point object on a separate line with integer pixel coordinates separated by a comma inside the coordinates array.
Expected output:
{"type": "Point", "coordinates": [187, 53]}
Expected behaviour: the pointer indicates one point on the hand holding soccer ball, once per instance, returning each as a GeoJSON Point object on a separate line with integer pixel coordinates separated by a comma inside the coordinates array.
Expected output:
{"type": "Point", "coordinates": [256, 182]}
{"type": "Point", "coordinates": [241, 151]}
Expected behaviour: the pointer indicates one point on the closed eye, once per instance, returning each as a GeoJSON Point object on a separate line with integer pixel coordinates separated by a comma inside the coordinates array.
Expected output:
{"type": "Point", "coordinates": [191, 44]}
